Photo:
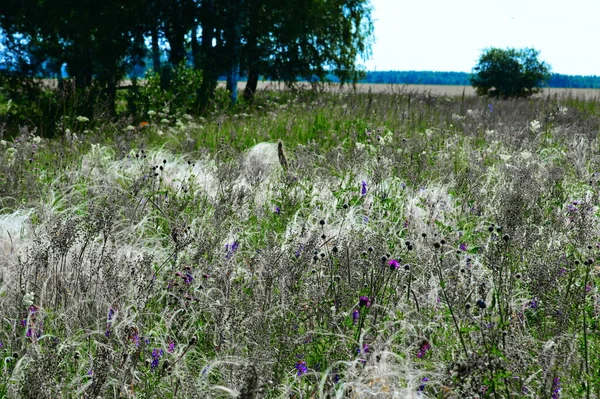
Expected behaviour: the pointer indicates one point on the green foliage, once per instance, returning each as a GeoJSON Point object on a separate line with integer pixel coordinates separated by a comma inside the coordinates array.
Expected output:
{"type": "Point", "coordinates": [509, 73]}
{"type": "Point", "coordinates": [181, 98]}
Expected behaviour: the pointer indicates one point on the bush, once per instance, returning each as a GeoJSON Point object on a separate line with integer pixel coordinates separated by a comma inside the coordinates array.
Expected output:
{"type": "Point", "coordinates": [180, 98]}
{"type": "Point", "coordinates": [509, 73]}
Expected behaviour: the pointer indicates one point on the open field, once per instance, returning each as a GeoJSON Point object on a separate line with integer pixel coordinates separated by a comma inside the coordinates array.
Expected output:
{"type": "Point", "coordinates": [393, 245]}
{"type": "Point", "coordinates": [438, 90]}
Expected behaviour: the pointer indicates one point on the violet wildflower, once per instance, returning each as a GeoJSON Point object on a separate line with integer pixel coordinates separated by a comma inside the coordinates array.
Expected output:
{"type": "Point", "coordinates": [171, 347]}
{"type": "Point", "coordinates": [393, 264]}
{"type": "Point", "coordinates": [421, 387]}
{"type": "Point", "coordinates": [355, 316]}
{"type": "Point", "coordinates": [301, 367]}
{"type": "Point", "coordinates": [156, 355]}
{"type": "Point", "coordinates": [533, 304]}
{"type": "Point", "coordinates": [277, 210]}
{"type": "Point", "coordinates": [556, 388]}
{"type": "Point", "coordinates": [423, 349]}
{"type": "Point", "coordinates": [363, 189]}
{"type": "Point", "coordinates": [231, 248]}
{"type": "Point", "coordinates": [462, 247]}
{"type": "Point", "coordinates": [364, 301]}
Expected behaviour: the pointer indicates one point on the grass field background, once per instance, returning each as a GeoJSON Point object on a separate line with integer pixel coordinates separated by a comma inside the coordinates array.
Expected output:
{"type": "Point", "coordinates": [399, 244]}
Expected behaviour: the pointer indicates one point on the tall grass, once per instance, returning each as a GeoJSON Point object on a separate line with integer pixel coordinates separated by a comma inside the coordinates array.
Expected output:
{"type": "Point", "coordinates": [390, 245]}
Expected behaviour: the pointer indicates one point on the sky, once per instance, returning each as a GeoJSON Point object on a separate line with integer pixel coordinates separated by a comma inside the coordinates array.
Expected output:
{"type": "Point", "coordinates": [444, 35]}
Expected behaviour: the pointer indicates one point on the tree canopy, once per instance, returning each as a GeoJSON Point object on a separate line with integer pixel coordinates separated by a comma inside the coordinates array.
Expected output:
{"type": "Point", "coordinates": [100, 42]}
{"type": "Point", "coordinates": [509, 73]}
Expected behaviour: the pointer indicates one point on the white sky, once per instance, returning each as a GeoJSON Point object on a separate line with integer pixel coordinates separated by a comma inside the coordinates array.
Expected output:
{"type": "Point", "coordinates": [444, 35]}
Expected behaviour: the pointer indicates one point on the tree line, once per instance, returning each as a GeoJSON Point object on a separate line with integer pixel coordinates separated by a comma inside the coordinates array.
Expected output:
{"type": "Point", "coordinates": [464, 79]}
{"type": "Point", "coordinates": [100, 42]}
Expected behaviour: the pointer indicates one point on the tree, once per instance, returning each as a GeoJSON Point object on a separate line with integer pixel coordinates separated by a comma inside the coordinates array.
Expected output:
{"type": "Point", "coordinates": [308, 39]}
{"type": "Point", "coordinates": [505, 73]}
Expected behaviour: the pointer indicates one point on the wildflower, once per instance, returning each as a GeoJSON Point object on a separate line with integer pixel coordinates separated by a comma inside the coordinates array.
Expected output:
{"type": "Point", "coordinates": [363, 189]}
{"type": "Point", "coordinates": [277, 210]}
{"type": "Point", "coordinates": [301, 367]}
{"type": "Point", "coordinates": [535, 126]}
{"type": "Point", "coordinates": [82, 119]}
{"type": "Point", "coordinates": [533, 304]}
{"type": "Point", "coordinates": [393, 264]}
{"type": "Point", "coordinates": [171, 347]}
{"type": "Point", "coordinates": [364, 301]}
{"type": "Point", "coordinates": [462, 247]}
{"type": "Point", "coordinates": [143, 124]}
{"type": "Point", "coordinates": [422, 386]}
{"type": "Point", "coordinates": [491, 107]}
{"type": "Point", "coordinates": [231, 248]}
{"type": "Point", "coordinates": [556, 388]}
{"type": "Point", "coordinates": [355, 316]}
{"type": "Point", "coordinates": [156, 355]}
{"type": "Point", "coordinates": [151, 113]}
{"type": "Point", "coordinates": [423, 349]}
{"type": "Point", "coordinates": [364, 350]}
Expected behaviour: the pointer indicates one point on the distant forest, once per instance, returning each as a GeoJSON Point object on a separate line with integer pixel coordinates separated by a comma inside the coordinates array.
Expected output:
{"type": "Point", "coordinates": [462, 79]}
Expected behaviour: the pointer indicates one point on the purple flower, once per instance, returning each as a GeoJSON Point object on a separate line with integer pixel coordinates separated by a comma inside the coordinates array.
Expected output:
{"type": "Point", "coordinates": [556, 388]}
{"type": "Point", "coordinates": [277, 210]}
{"type": "Point", "coordinates": [364, 350]}
{"type": "Point", "coordinates": [171, 347]}
{"type": "Point", "coordinates": [423, 350]}
{"type": "Point", "coordinates": [231, 248]}
{"type": "Point", "coordinates": [364, 301]}
{"type": "Point", "coordinates": [111, 313]}
{"type": "Point", "coordinates": [363, 189]}
{"type": "Point", "coordinates": [301, 367]}
{"type": "Point", "coordinates": [462, 247]}
{"type": "Point", "coordinates": [421, 387]}
{"type": "Point", "coordinates": [393, 264]}
{"type": "Point", "coordinates": [533, 304]}
{"type": "Point", "coordinates": [355, 316]}
{"type": "Point", "coordinates": [156, 355]}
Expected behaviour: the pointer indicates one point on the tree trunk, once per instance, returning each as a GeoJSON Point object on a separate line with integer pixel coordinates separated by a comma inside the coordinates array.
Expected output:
{"type": "Point", "coordinates": [251, 84]}
{"type": "Point", "coordinates": [233, 70]}
{"type": "Point", "coordinates": [155, 49]}
{"type": "Point", "coordinates": [195, 48]}
{"type": "Point", "coordinates": [207, 57]}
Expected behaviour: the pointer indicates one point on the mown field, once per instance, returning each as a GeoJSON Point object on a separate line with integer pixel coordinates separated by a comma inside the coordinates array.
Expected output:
{"type": "Point", "coordinates": [333, 245]}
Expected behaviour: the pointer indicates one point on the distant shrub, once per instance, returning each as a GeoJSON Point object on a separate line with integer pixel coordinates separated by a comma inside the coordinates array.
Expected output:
{"type": "Point", "coordinates": [506, 73]}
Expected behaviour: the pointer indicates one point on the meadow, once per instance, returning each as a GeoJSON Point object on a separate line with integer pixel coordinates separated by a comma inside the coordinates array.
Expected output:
{"type": "Point", "coordinates": [315, 245]}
